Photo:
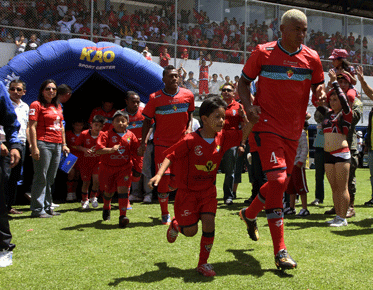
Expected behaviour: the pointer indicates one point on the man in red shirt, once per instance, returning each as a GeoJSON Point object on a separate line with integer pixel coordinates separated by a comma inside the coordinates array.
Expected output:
{"type": "Point", "coordinates": [171, 108]}
{"type": "Point", "coordinates": [107, 110]}
{"type": "Point", "coordinates": [287, 71]}
{"type": "Point", "coordinates": [164, 58]}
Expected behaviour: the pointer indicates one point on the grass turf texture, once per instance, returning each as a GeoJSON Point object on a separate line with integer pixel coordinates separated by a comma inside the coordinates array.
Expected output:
{"type": "Point", "coordinates": [77, 250]}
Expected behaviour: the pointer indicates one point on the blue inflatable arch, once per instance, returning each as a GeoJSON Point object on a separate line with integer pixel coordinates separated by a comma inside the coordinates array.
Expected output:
{"type": "Point", "coordinates": [74, 61]}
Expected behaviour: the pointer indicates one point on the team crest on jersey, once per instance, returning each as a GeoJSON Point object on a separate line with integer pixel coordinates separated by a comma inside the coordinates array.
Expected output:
{"type": "Point", "coordinates": [114, 139]}
{"type": "Point", "coordinates": [121, 150]}
{"type": "Point", "coordinates": [210, 166]}
{"type": "Point", "coordinates": [32, 112]}
{"type": "Point", "coordinates": [126, 178]}
{"type": "Point", "coordinates": [175, 108]}
{"type": "Point", "coordinates": [218, 148]}
{"type": "Point", "coordinates": [234, 112]}
{"type": "Point", "coordinates": [290, 73]}
{"type": "Point", "coordinates": [128, 139]}
{"type": "Point", "coordinates": [198, 151]}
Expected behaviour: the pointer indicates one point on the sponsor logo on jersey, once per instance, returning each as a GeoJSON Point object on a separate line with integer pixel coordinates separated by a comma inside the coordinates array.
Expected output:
{"type": "Point", "coordinates": [186, 213]}
{"type": "Point", "coordinates": [121, 150]}
{"type": "Point", "coordinates": [218, 148]}
{"type": "Point", "coordinates": [210, 166]}
{"type": "Point", "coordinates": [197, 150]}
{"type": "Point", "coordinates": [114, 139]}
{"type": "Point", "coordinates": [289, 73]}
{"type": "Point", "coordinates": [270, 48]}
{"type": "Point", "coordinates": [96, 54]}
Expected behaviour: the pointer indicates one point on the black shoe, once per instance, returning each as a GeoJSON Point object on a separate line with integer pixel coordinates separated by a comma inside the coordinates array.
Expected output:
{"type": "Point", "coordinates": [53, 213]}
{"type": "Point", "coordinates": [43, 215]}
{"type": "Point", "coordinates": [248, 201]}
{"type": "Point", "coordinates": [252, 228]}
{"type": "Point", "coordinates": [369, 203]}
{"type": "Point", "coordinates": [331, 211]}
{"type": "Point", "coordinates": [284, 261]}
{"type": "Point", "coordinates": [123, 221]}
{"type": "Point", "coordinates": [106, 214]}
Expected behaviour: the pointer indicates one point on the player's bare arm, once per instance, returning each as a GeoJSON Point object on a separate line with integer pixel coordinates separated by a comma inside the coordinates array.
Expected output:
{"type": "Point", "coordinates": [366, 88]}
{"type": "Point", "coordinates": [319, 92]}
{"type": "Point", "coordinates": [108, 150]}
{"type": "Point", "coordinates": [155, 180]}
{"type": "Point", "coordinates": [147, 124]}
{"type": "Point", "coordinates": [190, 124]}
{"type": "Point", "coordinates": [243, 89]}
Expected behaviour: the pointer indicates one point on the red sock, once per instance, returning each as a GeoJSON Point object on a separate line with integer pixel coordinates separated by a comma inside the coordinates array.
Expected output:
{"type": "Point", "coordinates": [107, 202]}
{"type": "Point", "coordinates": [84, 196]}
{"type": "Point", "coordinates": [163, 201]}
{"type": "Point", "coordinates": [207, 241]}
{"type": "Point", "coordinates": [122, 201]}
{"type": "Point", "coordinates": [70, 186]}
{"type": "Point", "coordinates": [254, 209]}
{"type": "Point", "coordinates": [75, 185]}
{"type": "Point", "coordinates": [276, 226]}
{"type": "Point", "coordinates": [93, 194]}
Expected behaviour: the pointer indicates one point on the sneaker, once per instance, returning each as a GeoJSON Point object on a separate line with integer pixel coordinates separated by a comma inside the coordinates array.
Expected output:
{"type": "Point", "coordinates": [369, 203]}
{"type": "Point", "coordinates": [290, 211]}
{"type": "Point", "coordinates": [206, 270]}
{"type": "Point", "coordinates": [148, 198]}
{"type": "Point", "coordinates": [284, 261]}
{"type": "Point", "coordinates": [6, 258]}
{"type": "Point", "coordinates": [339, 222]}
{"type": "Point", "coordinates": [134, 198]}
{"type": "Point", "coordinates": [252, 228]}
{"type": "Point", "coordinates": [316, 202]}
{"type": "Point", "coordinates": [71, 196]}
{"type": "Point", "coordinates": [229, 201]}
{"type": "Point", "coordinates": [166, 219]}
{"type": "Point", "coordinates": [172, 233]}
{"type": "Point", "coordinates": [330, 211]}
{"type": "Point", "coordinates": [331, 221]}
{"type": "Point", "coordinates": [54, 205]}
{"type": "Point", "coordinates": [303, 212]}
{"type": "Point", "coordinates": [350, 212]}
{"type": "Point", "coordinates": [123, 221]}
{"type": "Point", "coordinates": [94, 202]}
{"type": "Point", "coordinates": [129, 206]}
{"type": "Point", "coordinates": [85, 204]}
{"type": "Point", "coordinates": [106, 214]}
{"type": "Point", "coordinates": [248, 201]}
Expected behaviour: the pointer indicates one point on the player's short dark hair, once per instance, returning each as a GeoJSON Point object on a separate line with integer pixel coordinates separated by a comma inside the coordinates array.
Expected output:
{"type": "Point", "coordinates": [211, 104]}
{"type": "Point", "coordinates": [18, 82]}
{"type": "Point", "coordinates": [228, 84]}
{"type": "Point", "coordinates": [167, 69]}
{"type": "Point", "coordinates": [64, 89]}
{"type": "Point", "coordinates": [121, 113]}
{"type": "Point", "coordinates": [98, 119]}
{"type": "Point", "coordinates": [77, 120]}
{"type": "Point", "coordinates": [131, 93]}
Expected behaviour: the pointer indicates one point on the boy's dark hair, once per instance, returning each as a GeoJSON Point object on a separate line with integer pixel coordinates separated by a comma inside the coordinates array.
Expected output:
{"type": "Point", "coordinates": [211, 104]}
{"type": "Point", "coordinates": [98, 119]}
{"type": "Point", "coordinates": [64, 89]}
{"type": "Point", "coordinates": [167, 69]}
{"type": "Point", "coordinates": [120, 113]}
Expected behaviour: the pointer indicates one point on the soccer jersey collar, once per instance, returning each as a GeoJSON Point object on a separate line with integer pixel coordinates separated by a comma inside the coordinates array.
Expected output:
{"type": "Point", "coordinates": [130, 113]}
{"type": "Point", "coordinates": [178, 89]}
{"type": "Point", "coordinates": [284, 50]}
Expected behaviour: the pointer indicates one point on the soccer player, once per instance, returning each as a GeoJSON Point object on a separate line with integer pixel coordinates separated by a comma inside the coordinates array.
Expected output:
{"type": "Point", "coordinates": [136, 120]}
{"type": "Point", "coordinates": [196, 159]}
{"type": "Point", "coordinates": [119, 159]}
{"type": "Point", "coordinates": [287, 70]}
{"type": "Point", "coordinates": [73, 176]}
{"type": "Point", "coordinates": [172, 109]}
{"type": "Point", "coordinates": [107, 110]}
{"type": "Point", "coordinates": [90, 161]}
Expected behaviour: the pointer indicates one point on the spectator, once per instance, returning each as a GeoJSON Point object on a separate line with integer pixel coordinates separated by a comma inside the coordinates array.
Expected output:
{"type": "Point", "coordinates": [45, 26]}
{"type": "Point", "coordinates": [164, 58]}
{"type": "Point", "coordinates": [33, 43]}
{"type": "Point", "coordinates": [21, 45]}
{"type": "Point", "coordinates": [182, 42]}
{"type": "Point", "coordinates": [191, 83]}
{"type": "Point", "coordinates": [62, 9]}
{"type": "Point", "coordinates": [215, 84]}
{"type": "Point", "coordinates": [145, 54]}
{"type": "Point", "coordinates": [203, 77]}
{"type": "Point", "coordinates": [185, 54]}
{"type": "Point", "coordinates": [47, 140]}
{"type": "Point", "coordinates": [65, 26]}
{"type": "Point", "coordinates": [341, 65]}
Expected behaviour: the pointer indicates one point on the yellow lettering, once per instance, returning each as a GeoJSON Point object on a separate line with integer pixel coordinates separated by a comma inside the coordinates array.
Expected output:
{"type": "Point", "coordinates": [86, 54]}
{"type": "Point", "coordinates": [109, 56]}
{"type": "Point", "coordinates": [97, 57]}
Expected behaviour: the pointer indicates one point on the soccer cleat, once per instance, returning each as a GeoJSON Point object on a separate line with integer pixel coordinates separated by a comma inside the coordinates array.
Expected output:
{"type": "Point", "coordinates": [339, 222]}
{"type": "Point", "coordinates": [94, 202]}
{"type": "Point", "coordinates": [148, 198]}
{"type": "Point", "coordinates": [6, 258]}
{"type": "Point", "coordinates": [123, 221]}
{"type": "Point", "coordinates": [206, 270]}
{"type": "Point", "coordinates": [303, 212]}
{"type": "Point", "coordinates": [229, 201]}
{"type": "Point", "coordinates": [85, 204]}
{"type": "Point", "coordinates": [106, 214]}
{"type": "Point", "coordinates": [71, 196]}
{"type": "Point", "coordinates": [284, 261]}
{"type": "Point", "coordinates": [316, 202]}
{"type": "Point", "coordinates": [54, 205]}
{"type": "Point", "coordinates": [252, 228]}
{"type": "Point", "coordinates": [369, 202]}
{"type": "Point", "coordinates": [166, 219]}
{"type": "Point", "coordinates": [172, 233]}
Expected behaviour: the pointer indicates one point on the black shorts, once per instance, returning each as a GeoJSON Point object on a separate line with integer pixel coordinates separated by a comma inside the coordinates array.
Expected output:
{"type": "Point", "coordinates": [331, 159]}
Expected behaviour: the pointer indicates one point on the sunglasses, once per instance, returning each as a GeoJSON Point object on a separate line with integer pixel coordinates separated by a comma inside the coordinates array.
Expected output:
{"type": "Point", "coordinates": [227, 90]}
{"type": "Point", "coordinates": [48, 89]}
{"type": "Point", "coordinates": [15, 89]}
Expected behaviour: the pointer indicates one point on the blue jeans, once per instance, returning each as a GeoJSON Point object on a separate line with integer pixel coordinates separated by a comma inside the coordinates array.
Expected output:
{"type": "Point", "coordinates": [45, 170]}
{"type": "Point", "coordinates": [232, 165]}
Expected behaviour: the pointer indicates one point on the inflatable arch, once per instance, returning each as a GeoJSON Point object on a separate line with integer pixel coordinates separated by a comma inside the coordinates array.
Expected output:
{"type": "Point", "coordinates": [74, 61]}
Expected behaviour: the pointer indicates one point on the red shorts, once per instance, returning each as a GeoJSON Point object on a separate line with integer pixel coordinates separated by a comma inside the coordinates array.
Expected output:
{"type": "Point", "coordinates": [189, 205]}
{"type": "Point", "coordinates": [168, 179]}
{"type": "Point", "coordinates": [275, 152]}
{"type": "Point", "coordinates": [88, 167]}
{"type": "Point", "coordinates": [112, 177]}
{"type": "Point", "coordinates": [204, 87]}
{"type": "Point", "coordinates": [298, 181]}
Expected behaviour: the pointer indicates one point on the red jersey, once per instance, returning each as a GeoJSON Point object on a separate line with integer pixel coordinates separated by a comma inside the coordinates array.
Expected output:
{"type": "Point", "coordinates": [196, 161]}
{"type": "Point", "coordinates": [232, 117]}
{"type": "Point", "coordinates": [126, 156]}
{"type": "Point", "coordinates": [171, 115]}
{"type": "Point", "coordinates": [49, 118]}
{"type": "Point", "coordinates": [71, 139]}
{"type": "Point", "coordinates": [204, 72]}
{"type": "Point", "coordinates": [283, 87]}
{"type": "Point", "coordinates": [108, 115]}
{"type": "Point", "coordinates": [86, 140]}
{"type": "Point", "coordinates": [135, 122]}
{"type": "Point", "coordinates": [164, 59]}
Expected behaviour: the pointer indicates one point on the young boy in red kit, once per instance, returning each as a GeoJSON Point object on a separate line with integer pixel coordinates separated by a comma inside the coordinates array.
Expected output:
{"type": "Point", "coordinates": [73, 176]}
{"type": "Point", "coordinates": [196, 158]}
{"type": "Point", "coordinates": [119, 159]}
{"type": "Point", "coordinates": [90, 161]}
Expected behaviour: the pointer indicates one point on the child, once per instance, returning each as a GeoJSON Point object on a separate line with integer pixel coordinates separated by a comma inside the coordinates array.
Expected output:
{"type": "Point", "coordinates": [197, 157]}
{"type": "Point", "coordinates": [118, 148]}
{"type": "Point", "coordinates": [73, 176]}
{"type": "Point", "coordinates": [298, 181]}
{"type": "Point", "coordinates": [89, 164]}
{"type": "Point", "coordinates": [203, 77]}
